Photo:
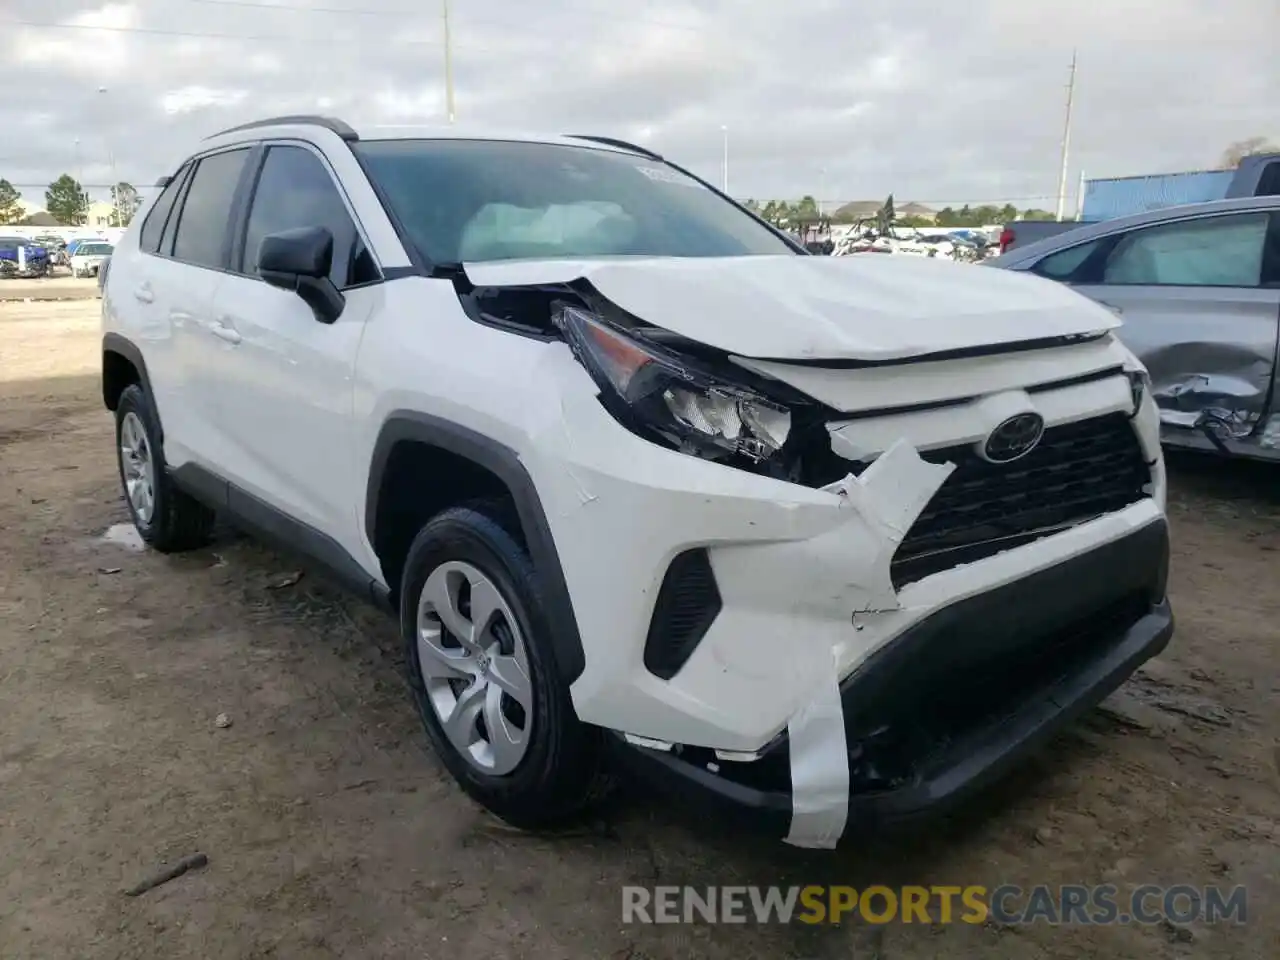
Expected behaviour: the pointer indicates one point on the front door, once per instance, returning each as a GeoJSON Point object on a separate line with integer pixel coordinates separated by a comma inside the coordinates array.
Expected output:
{"type": "Point", "coordinates": [286, 389]}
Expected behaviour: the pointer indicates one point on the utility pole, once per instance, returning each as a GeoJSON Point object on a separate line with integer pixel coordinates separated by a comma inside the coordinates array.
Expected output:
{"type": "Point", "coordinates": [1066, 140]}
{"type": "Point", "coordinates": [724, 169]}
{"type": "Point", "coordinates": [448, 62]}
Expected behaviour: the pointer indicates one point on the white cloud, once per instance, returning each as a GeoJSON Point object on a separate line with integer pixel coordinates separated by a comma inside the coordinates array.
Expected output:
{"type": "Point", "coordinates": [197, 98]}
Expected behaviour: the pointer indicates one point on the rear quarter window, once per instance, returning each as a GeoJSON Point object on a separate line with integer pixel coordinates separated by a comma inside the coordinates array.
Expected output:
{"type": "Point", "coordinates": [153, 225]}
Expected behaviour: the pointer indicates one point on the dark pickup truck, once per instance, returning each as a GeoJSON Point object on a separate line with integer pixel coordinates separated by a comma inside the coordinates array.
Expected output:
{"type": "Point", "coordinates": [1256, 176]}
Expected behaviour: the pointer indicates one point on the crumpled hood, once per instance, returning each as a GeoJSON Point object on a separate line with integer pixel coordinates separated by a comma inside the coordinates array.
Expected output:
{"type": "Point", "coordinates": [823, 308]}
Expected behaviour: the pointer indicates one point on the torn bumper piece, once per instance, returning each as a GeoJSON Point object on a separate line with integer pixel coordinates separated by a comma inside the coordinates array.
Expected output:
{"type": "Point", "coordinates": [958, 699]}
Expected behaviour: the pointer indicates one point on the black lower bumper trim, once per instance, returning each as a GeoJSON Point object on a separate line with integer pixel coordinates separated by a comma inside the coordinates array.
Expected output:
{"type": "Point", "coordinates": [1062, 638]}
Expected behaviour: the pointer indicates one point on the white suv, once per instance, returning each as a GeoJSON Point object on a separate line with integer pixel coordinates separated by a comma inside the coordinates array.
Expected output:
{"type": "Point", "coordinates": [821, 540]}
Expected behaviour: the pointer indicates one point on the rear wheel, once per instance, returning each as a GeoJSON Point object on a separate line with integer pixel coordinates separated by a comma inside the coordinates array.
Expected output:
{"type": "Point", "coordinates": [484, 676]}
{"type": "Point", "coordinates": [165, 517]}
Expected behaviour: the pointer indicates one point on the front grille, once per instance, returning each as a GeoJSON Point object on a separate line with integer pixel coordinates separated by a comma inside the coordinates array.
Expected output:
{"type": "Point", "coordinates": [1077, 472]}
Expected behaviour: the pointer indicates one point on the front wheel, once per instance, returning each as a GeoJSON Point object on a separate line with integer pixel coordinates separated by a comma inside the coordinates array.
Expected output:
{"type": "Point", "coordinates": [484, 675]}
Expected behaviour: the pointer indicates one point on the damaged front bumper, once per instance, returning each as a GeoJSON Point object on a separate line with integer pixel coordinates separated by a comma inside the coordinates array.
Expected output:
{"type": "Point", "coordinates": [951, 704]}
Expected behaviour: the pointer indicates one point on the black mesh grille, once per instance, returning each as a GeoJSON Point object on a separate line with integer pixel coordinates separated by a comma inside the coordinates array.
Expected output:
{"type": "Point", "coordinates": [688, 602]}
{"type": "Point", "coordinates": [1078, 471]}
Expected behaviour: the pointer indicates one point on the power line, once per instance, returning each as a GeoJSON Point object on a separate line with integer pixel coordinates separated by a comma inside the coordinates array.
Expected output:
{"type": "Point", "coordinates": [289, 38]}
{"type": "Point", "coordinates": [199, 34]}
{"type": "Point", "coordinates": [417, 12]}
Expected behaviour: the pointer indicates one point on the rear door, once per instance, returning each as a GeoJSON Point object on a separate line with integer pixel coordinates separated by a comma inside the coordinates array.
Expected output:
{"type": "Point", "coordinates": [1200, 301]}
{"type": "Point", "coordinates": [136, 307]}
{"type": "Point", "coordinates": [192, 261]}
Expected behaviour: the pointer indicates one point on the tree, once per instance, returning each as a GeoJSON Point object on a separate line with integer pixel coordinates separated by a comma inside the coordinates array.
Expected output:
{"type": "Point", "coordinates": [10, 208]}
{"type": "Point", "coordinates": [65, 199]}
{"type": "Point", "coordinates": [1248, 147]}
{"type": "Point", "coordinates": [124, 202]}
{"type": "Point", "coordinates": [1033, 214]}
{"type": "Point", "coordinates": [806, 211]}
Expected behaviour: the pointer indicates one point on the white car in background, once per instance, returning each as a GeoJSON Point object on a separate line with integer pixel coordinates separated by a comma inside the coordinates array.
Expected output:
{"type": "Point", "coordinates": [89, 257]}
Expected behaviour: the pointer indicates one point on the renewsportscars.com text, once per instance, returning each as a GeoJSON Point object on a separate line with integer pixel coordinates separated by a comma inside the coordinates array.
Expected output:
{"type": "Point", "coordinates": [1005, 904]}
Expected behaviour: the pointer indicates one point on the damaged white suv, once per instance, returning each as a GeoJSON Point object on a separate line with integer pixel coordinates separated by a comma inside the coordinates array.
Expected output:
{"type": "Point", "coordinates": [826, 541]}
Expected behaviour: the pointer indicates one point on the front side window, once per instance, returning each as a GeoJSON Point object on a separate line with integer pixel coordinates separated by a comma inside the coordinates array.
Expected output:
{"type": "Point", "coordinates": [1221, 251]}
{"type": "Point", "coordinates": [295, 190]}
{"type": "Point", "coordinates": [202, 223]}
{"type": "Point", "coordinates": [484, 200]}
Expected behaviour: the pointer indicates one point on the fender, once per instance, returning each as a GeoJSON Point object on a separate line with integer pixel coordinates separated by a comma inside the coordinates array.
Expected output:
{"type": "Point", "coordinates": [115, 343]}
{"type": "Point", "coordinates": [505, 464]}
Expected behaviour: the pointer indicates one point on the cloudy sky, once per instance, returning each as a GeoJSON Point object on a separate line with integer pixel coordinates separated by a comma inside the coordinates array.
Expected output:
{"type": "Point", "coordinates": [928, 99]}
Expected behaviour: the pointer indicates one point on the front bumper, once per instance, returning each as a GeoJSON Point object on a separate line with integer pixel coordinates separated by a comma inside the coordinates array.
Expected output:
{"type": "Point", "coordinates": [958, 698]}
{"type": "Point", "coordinates": [802, 575]}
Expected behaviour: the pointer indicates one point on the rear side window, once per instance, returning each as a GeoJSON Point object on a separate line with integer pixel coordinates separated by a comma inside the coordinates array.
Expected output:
{"type": "Point", "coordinates": [202, 224]}
{"type": "Point", "coordinates": [295, 189]}
{"type": "Point", "coordinates": [1210, 252]}
{"type": "Point", "coordinates": [153, 226]}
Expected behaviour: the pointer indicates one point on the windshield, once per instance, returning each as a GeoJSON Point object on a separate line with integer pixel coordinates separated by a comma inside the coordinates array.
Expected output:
{"type": "Point", "coordinates": [480, 200]}
{"type": "Point", "coordinates": [94, 249]}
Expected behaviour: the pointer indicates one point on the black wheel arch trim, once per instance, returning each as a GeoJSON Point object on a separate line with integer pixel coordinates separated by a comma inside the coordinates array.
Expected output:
{"type": "Point", "coordinates": [505, 464]}
{"type": "Point", "coordinates": [116, 343]}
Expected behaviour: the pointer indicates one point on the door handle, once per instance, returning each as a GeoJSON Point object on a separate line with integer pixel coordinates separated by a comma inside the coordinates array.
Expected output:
{"type": "Point", "coordinates": [224, 332]}
{"type": "Point", "coordinates": [143, 293]}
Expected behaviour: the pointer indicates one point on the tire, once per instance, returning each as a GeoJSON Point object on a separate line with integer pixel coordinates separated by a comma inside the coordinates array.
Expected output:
{"type": "Point", "coordinates": [558, 772]}
{"type": "Point", "coordinates": [169, 520]}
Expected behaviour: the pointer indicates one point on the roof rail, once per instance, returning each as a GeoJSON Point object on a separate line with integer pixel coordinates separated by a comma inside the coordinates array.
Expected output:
{"type": "Point", "coordinates": [303, 119]}
{"type": "Point", "coordinates": [620, 144]}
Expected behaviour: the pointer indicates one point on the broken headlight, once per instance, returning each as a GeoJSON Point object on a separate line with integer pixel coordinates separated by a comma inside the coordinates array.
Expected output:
{"type": "Point", "coordinates": [1139, 384]}
{"type": "Point", "coordinates": [657, 391]}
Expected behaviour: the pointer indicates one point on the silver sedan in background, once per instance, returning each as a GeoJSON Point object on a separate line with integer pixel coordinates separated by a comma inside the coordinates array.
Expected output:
{"type": "Point", "coordinates": [1198, 290]}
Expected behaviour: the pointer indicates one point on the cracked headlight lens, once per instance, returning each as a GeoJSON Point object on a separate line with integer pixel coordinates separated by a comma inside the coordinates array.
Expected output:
{"type": "Point", "coordinates": [1139, 385]}
{"type": "Point", "coordinates": [654, 390]}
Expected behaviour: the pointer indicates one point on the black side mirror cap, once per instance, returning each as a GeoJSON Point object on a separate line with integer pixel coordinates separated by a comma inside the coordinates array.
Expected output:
{"type": "Point", "coordinates": [299, 260]}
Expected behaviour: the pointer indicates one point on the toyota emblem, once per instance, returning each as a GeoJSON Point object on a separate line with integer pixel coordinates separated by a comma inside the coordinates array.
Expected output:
{"type": "Point", "coordinates": [1014, 438]}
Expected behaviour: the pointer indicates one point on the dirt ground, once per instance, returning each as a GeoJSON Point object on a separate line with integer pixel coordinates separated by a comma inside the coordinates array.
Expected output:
{"type": "Point", "coordinates": [331, 831]}
{"type": "Point", "coordinates": [60, 286]}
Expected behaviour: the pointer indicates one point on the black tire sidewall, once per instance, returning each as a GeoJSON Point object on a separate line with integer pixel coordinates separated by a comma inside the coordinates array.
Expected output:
{"type": "Point", "coordinates": [555, 774]}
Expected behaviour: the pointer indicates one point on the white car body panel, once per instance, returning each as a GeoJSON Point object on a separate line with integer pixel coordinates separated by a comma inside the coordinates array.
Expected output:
{"type": "Point", "coordinates": [283, 393]}
{"type": "Point", "coordinates": [823, 308]}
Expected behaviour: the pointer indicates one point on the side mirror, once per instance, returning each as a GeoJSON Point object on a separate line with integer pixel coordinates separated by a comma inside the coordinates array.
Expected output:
{"type": "Point", "coordinates": [299, 260]}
